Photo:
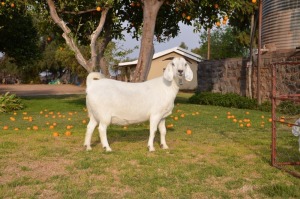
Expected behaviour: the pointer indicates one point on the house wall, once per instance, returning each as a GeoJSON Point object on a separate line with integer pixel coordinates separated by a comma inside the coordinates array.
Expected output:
{"type": "Point", "coordinates": [158, 65]}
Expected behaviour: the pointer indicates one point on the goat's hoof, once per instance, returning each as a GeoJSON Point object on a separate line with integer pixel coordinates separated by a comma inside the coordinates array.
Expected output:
{"type": "Point", "coordinates": [164, 146]}
{"type": "Point", "coordinates": [107, 149]}
{"type": "Point", "coordinates": [151, 148]}
{"type": "Point", "coordinates": [88, 148]}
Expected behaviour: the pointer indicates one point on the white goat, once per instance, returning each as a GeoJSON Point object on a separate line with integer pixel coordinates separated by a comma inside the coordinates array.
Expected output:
{"type": "Point", "coordinates": [296, 131]}
{"type": "Point", "coordinates": [122, 103]}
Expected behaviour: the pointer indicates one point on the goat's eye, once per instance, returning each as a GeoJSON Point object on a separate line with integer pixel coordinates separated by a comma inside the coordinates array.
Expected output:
{"type": "Point", "coordinates": [173, 64]}
{"type": "Point", "coordinates": [185, 64]}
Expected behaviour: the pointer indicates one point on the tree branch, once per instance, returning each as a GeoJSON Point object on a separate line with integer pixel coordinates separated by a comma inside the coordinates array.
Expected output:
{"type": "Point", "coordinates": [95, 35]}
{"type": "Point", "coordinates": [69, 40]}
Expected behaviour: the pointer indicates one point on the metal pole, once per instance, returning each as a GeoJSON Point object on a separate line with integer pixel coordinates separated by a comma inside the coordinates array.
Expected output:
{"type": "Point", "coordinates": [273, 156]}
{"type": "Point", "coordinates": [259, 53]}
{"type": "Point", "coordinates": [208, 44]}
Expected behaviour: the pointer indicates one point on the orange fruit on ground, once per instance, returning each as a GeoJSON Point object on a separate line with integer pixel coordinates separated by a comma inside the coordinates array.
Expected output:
{"type": "Point", "coordinates": [216, 6]}
{"type": "Point", "coordinates": [69, 127]}
{"type": "Point", "coordinates": [12, 119]}
{"type": "Point", "coordinates": [55, 134]}
{"type": "Point", "coordinates": [51, 127]}
{"type": "Point", "coordinates": [5, 127]}
{"type": "Point", "coordinates": [188, 17]}
{"type": "Point", "coordinates": [98, 8]}
{"type": "Point", "coordinates": [68, 133]}
{"type": "Point", "coordinates": [253, 1]}
{"type": "Point", "coordinates": [3, 3]}
{"type": "Point", "coordinates": [16, 129]}
{"type": "Point", "coordinates": [182, 115]}
{"type": "Point", "coordinates": [176, 118]}
{"type": "Point", "coordinates": [83, 121]}
{"type": "Point", "coordinates": [189, 131]}
{"type": "Point", "coordinates": [218, 23]}
{"type": "Point", "coordinates": [170, 126]}
{"type": "Point", "coordinates": [270, 119]}
{"type": "Point", "coordinates": [241, 125]}
{"type": "Point", "coordinates": [12, 5]}
{"type": "Point", "coordinates": [228, 113]}
{"type": "Point", "coordinates": [234, 120]}
{"type": "Point", "coordinates": [215, 117]}
{"type": "Point", "coordinates": [35, 127]}
{"type": "Point", "coordinates": [248, 124]}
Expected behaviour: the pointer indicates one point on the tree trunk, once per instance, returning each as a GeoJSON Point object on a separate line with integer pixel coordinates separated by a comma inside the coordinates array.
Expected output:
{"type": "Point", "coordinates": [151, 8]}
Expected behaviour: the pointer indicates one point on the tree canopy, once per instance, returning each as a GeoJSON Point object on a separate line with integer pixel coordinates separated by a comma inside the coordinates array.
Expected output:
{"type": "Point", "coordinates": [96, 23]}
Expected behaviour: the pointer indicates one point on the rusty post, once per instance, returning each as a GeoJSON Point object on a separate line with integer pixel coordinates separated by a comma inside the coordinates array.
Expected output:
{"type": "Point", "coordinates": [273, 156]}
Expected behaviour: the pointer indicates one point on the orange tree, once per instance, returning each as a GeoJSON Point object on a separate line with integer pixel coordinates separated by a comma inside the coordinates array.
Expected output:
{"type": "Point", "coordinates": [96, 23]}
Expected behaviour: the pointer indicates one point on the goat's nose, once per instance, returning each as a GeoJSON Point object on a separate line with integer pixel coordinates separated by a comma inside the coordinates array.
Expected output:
{"type": "Point", "coordinates": [180, 71]}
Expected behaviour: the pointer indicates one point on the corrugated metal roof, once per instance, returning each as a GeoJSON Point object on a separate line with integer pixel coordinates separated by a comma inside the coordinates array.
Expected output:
{"type": "Point", "coordinates": [178, 50]}
{"type": "Point", "coordinates": [280, 24]}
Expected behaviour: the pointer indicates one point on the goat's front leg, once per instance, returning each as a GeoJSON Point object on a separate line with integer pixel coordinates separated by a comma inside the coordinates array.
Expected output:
{"type": "Point", "coordinates": [153, 128]}
{"type": "Point", "coordinates": [163, 131]}
{"type": "Point", "coordinates": [103, 136]}
{"type": "Point", "coordinates": [89, 132]}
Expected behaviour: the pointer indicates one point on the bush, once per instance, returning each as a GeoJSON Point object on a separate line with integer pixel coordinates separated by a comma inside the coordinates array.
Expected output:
{"type": "Point", "coordinates": [9, 102]}
{"type": "Point", "coordinates": [288, 107]}
{"type": "Point", "coordinates": [226, 100]}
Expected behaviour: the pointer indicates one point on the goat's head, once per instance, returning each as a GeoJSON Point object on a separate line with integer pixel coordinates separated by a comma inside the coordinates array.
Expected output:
{"type": "Point", "coordinates": [177, 69]}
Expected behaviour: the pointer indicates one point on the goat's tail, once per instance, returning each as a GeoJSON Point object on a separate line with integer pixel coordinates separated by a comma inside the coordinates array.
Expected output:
{"type": "Point", "coordinates": [92, 77]}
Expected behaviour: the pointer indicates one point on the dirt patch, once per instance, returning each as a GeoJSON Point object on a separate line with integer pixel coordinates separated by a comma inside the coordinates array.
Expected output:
{"type": "Point", "coordinates": [41, 89]}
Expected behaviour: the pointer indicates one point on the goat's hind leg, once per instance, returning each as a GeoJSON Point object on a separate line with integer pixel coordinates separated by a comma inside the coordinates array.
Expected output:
{"type": "Point", "coordinates": [163, 132]}
{"type": "Point", "coordinates": [89, 132]}
{"type": "Point", "coordinates": [103, 136]}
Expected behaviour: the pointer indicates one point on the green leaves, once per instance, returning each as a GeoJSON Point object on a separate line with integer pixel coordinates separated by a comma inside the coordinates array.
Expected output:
{"type": "Point", "coordinates": [9, 102]}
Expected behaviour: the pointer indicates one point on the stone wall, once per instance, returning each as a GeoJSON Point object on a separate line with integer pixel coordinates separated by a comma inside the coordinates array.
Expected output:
{"type": "Point", "coordinates": [232, 75]}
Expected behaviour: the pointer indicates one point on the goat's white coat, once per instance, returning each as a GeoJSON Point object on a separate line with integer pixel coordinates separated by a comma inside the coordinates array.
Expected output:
{"type": "Point", "coordinates": [110, 101]}
{"type": "Point", "coordinates": [296, 131]}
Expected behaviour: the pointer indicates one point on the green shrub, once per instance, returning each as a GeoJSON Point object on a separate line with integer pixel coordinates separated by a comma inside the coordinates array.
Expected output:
{"type": "Point", "coordinates": [265, 106]}
{"type": "Point", "coordinates": [226, 100]}
{"type": "Point", "coordinates": [288, 107]}
{"type": "Point", "coordinates": [9, 102]}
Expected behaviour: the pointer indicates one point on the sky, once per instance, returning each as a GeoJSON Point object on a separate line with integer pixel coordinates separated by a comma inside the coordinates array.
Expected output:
{"type": "Point", "coordinates": [186, 35]}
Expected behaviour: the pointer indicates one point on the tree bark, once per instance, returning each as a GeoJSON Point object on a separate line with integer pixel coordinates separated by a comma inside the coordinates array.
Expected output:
{"type": "Point", "coordinates": [151, 8]}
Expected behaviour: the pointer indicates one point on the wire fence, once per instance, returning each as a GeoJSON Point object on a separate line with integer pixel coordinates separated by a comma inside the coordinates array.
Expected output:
{"type": "Point", "coordinates": [285, 117]}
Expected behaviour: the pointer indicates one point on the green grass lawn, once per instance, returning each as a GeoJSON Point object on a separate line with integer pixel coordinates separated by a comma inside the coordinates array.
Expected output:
{"type": "Point", "coordinates": [222, 158]}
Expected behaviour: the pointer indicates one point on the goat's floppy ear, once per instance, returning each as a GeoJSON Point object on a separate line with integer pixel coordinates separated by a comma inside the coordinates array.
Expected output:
{"type": "Point", "coordinates": [168, 73]}
{"type": "Point", "coordinates": [188, 73]}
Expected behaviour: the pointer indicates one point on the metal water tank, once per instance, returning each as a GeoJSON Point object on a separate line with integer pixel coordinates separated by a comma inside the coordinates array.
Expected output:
{"type": "Point", "coordinates": [281, 23]}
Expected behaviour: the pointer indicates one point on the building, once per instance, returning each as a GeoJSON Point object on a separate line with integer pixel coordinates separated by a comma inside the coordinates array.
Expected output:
{"type": "Point", "coordinates": [159, 63]}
